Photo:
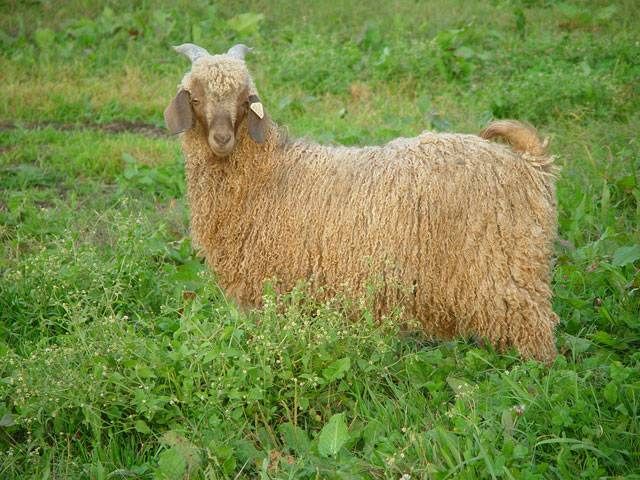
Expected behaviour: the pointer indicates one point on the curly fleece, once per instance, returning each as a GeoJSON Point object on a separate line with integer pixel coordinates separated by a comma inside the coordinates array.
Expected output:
{"type": "Point", "coordinates": [457, 230]}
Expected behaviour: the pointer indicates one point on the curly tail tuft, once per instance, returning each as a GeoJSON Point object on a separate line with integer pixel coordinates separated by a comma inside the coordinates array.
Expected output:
{"type": "Point", "coordinates": [522, 138]}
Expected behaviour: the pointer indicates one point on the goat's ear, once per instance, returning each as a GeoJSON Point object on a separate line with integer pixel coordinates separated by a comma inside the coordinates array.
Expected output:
{"type": "Point", "coordinates": [257, 121]}
{"type": "Point", "coordinates": [178, 115]}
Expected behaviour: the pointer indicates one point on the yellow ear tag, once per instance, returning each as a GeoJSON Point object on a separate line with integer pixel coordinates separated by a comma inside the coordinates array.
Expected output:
{"type": "Point", "coordinates": [256, 107]}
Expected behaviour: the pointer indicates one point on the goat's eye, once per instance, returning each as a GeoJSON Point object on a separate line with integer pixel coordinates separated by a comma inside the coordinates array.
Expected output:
{"type": "Point", "coordinates": [195, 101]}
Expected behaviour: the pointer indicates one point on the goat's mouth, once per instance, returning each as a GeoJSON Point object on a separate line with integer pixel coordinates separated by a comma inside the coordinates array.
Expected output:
{"type": "Point", "coordinates": [222, 150]}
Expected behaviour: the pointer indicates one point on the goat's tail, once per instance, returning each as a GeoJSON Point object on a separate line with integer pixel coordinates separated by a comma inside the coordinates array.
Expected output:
{"type": "Point", "coordinates": [522, 137]}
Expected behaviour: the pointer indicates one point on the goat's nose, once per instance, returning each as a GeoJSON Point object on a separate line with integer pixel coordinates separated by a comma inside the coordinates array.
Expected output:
{"type": "Point", "coordinates": [222, 138]}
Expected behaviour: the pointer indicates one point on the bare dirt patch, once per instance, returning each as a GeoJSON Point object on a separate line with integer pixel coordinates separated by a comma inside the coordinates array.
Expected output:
{"type": "Point", "coordinates": [139, 128]}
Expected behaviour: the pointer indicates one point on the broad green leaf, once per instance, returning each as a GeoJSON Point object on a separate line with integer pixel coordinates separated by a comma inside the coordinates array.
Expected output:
{"type": "Point", "coordinates": [618, 372]}
{"type": "Point", "coordinates": [224, 454]}
{"type": "Point", "coordinates": [171, 465]}
{"type": "Point", "coordinates": [577, 344]}
{"type": "Point", "coordinates": [246, 451]}
{"type": "Point", "coordinates": [333, 436]}
{"type": "Point", "coordinates": [610, 393]}
{"type": "Point", "coordinates": [294, 437]}
{"type": "Point", "coordinates": [520, 451]}
{"type": "Point", "coordinates": [7, 420]}
{"type": "Point", "coordinates": [141, 426]}
{"type": "Point", "coordinates": [187, 450]}
{"type": "Point", "coordinates": [337, 369]}
{"type": "Point", "coordinates": [144, 371]}
{"type": "Point", "coordinates": [626, 255]}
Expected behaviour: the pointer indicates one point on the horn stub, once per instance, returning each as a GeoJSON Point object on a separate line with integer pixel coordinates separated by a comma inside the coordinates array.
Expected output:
{"type": "Point", "coordinates": [239, 51]}
{"type": "Point", "coordinates": [191, 51]}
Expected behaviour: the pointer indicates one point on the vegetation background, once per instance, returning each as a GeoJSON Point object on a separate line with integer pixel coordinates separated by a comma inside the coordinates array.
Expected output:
{"type": "Point", "coordinates": [121, 358]}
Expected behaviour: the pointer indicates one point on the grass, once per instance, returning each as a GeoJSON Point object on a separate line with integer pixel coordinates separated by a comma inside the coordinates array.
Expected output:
{"type": "Point", "coordinates": [122, 358]}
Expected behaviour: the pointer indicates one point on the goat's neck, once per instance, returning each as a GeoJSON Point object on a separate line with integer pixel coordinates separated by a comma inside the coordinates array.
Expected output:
{"type": "Point", "coordinates": [218, 187]}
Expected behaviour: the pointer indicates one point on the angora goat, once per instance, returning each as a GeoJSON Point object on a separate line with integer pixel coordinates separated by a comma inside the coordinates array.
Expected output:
{"type": "Point", "coordinates": [456, 230]}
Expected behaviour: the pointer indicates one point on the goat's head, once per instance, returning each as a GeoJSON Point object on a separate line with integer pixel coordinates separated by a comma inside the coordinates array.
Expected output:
{"type": "Point", "coordinates": [218, 95]}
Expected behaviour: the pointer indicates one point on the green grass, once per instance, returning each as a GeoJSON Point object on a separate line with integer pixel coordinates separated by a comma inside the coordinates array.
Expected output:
{"type": "Point", "coordinates": [120, 357]}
